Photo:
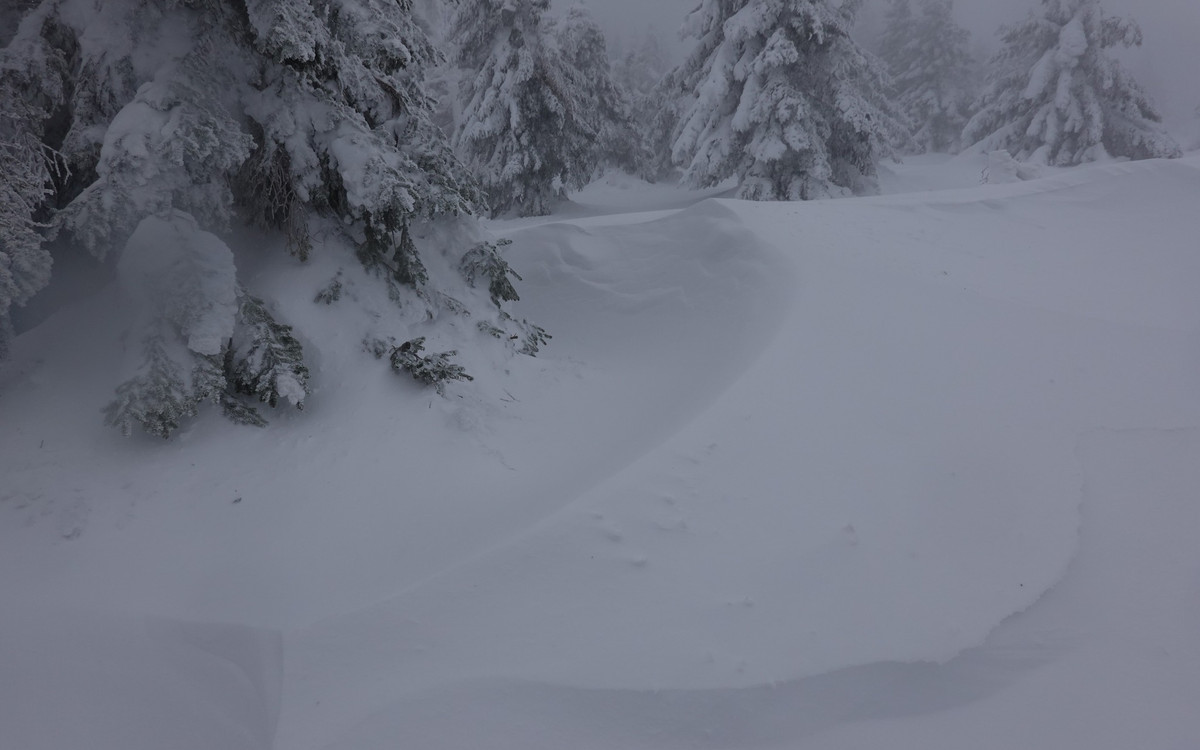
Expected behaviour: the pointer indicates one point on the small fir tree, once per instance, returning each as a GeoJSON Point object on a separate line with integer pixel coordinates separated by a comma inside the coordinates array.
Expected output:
{"type": "Point", "coordinates": [1056, 95]}
{"type": "Point", "coordinates": [159, 397]}
{"type": "Point", "coordinates": [777, 94]}
{"type": "Point", "coordinates": [484, 261]}
{"type": "Point", "coordinates": [264, 360]}
{"type": "Point", "coordinates": [431, 369]}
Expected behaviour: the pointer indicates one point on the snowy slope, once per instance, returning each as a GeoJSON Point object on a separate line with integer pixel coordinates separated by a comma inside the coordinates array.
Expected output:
{"type": "Point", "coordinates": [916, 470]}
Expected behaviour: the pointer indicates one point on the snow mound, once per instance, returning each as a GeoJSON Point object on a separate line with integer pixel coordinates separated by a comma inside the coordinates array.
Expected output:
{"type": "Point", "coordinates": [892, 478]}
{"type": "Point", "coordinates": [789, 472]}
{"type": "Point", "coordinates": [186, 274]}
{"type": "Point", "coordinates": [78, 679]}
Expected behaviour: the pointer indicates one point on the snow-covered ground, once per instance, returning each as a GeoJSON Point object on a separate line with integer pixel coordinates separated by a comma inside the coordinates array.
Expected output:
{"type": "Point", "coordinates": [911, 471]}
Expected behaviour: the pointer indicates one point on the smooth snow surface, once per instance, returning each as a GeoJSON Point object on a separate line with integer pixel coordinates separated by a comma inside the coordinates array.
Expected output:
{"type": "Point", "coordinates": [916, 470]}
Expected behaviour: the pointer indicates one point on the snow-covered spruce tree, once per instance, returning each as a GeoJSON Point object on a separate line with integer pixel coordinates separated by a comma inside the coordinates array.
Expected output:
{"type": "Point", "coordinates": [1056, 96]}
{"type": "Point", "coordinates": [676, 93]}
{"type": "Point", "coordinates": [520, 129]}
{"type": "Point", "coordinates": [641, 72]}
{"type": "Point", "coordinates": [24, 263]}
{"type": "Point", "coordinates": [927, 56]}
{"type": "Point", "coordinates": [148, 127]}
{"type": "Point", "coordinates": [661, 119]}
{"type": "Point", "coordinates": [597, 98]}
{"type": "Point", "coordinates": [896, 36]}
{"type": "Point", "coordinates": [780, 96]}
{"type": "Point", "coordinates": [641, 68]}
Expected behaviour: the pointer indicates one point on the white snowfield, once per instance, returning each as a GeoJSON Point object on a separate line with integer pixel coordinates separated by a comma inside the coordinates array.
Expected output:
{"type": "Point", "coordinates": [912, 471]}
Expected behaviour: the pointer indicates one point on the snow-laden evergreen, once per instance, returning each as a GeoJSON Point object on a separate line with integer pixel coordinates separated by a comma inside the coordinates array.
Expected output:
{"type": "Point", "coordinates": [597, 96]}
{"type": "Point", "coordinates": [521, 129]}
{"type": "Point", "coordinates": [1056, 95]}
{"type": "Point", "coordinates": [640, 69]}
{"type": "Point", "coordinates": [931, 69]}
{"type": "Point", "coordinates": [24, 263]}
{"type": "Point", "coordinates": [896, 37]}
{"type": "Point", "coordinates": [149, 128]}
{"type": "Point", "coordinates": [779, 95]}
{"type": "Point", "coordinates": [639, 72]}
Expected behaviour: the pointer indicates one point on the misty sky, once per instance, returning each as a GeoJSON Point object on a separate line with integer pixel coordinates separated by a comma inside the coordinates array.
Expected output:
{"type": "Point", "coordinates": [1168, 64]}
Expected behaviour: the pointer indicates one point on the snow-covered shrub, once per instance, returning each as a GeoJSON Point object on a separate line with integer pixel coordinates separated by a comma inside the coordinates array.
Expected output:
{"type": "Point", "coordinates": [484, 261]}
{"type": "Point", "coordinates": [1001, 168]}
{"type": "Point", "coordinates": [203, 335]}
{"type": "Point", "coordinates": [331, 292]}
{"type": "Point", "coordinates": [432, 369]}
{"type": "Point", "coordinates": [777, 94]}
{"type": "Point", "coordinates": [1056, 96]}
{"type": "Point", "coordinates": [264, 360]}
{"type": "Point", "coordinates": [530, 338]}
{"type": "Point", "coordinates": [159, 397]}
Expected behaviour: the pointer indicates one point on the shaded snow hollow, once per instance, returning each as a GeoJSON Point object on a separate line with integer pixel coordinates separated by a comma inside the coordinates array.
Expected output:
{"type": "Point", "coordinates": [916, 470]}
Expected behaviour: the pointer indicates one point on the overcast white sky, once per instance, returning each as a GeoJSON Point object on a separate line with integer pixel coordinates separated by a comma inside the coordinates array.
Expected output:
{"type": "Point", "coordinates": [1168, 64]}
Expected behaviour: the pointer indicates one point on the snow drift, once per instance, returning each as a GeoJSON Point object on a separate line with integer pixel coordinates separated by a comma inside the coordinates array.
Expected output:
{"type": "Point", "coordinates": [914, 470]}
